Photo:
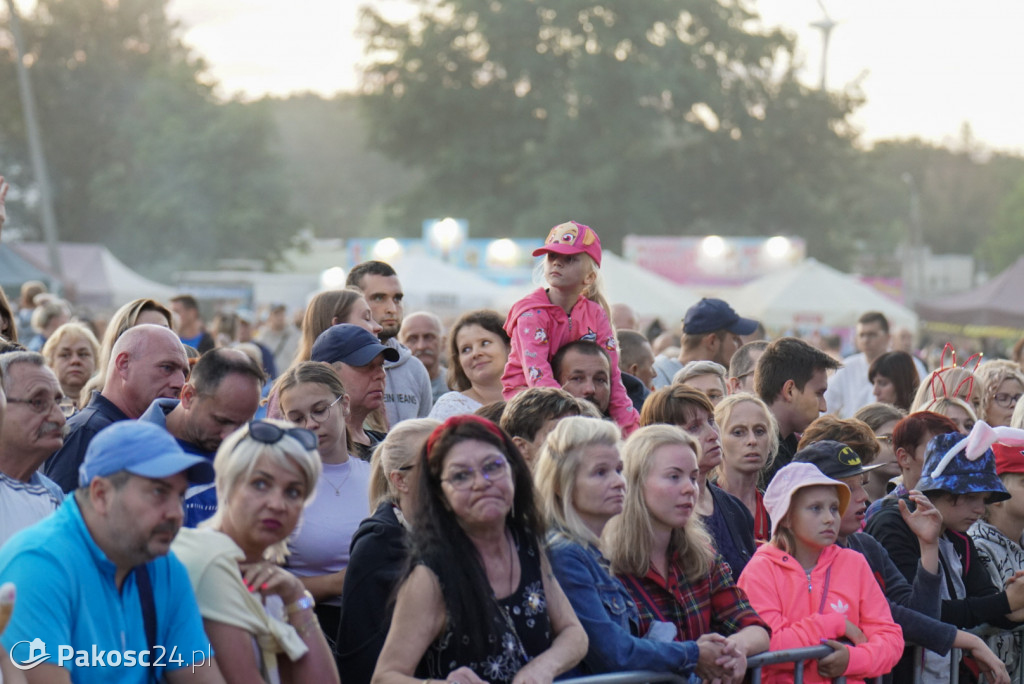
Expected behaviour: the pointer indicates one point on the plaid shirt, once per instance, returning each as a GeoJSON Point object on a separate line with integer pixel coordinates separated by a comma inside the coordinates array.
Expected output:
{"type": "Point", "coordinates": [713, 604]}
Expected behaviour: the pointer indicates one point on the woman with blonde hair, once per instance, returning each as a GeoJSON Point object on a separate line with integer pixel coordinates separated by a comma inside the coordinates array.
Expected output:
{"type": "Point", "coordinates": [379, 549]}
{"type": "Point", "coordinates": [950, 381]}
{"type": "Point", "coordinates": [71, 353]}
{"type": "Point", "coordinates": [1003, 382]}
{"type": "Point", "coordinates": [135, 312]}
{"type": "Point", "coordinates": [707, 376]}
{"type": "Point", "coordinates": [664, 556]}
{"type": "Point", "coordinates": [727, 519]}
{"type": "Point", "coordinates": [259, 617]}
{"type": "Point", "coordinates": [750, 440]}
{"type": "Point", "coordinates": [956, 409]}
{"type": "Point", "coordinates": [580, 488]}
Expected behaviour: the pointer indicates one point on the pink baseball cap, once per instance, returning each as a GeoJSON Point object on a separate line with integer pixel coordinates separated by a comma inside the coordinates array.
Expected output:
{"type": "Point", "coordinates": [572, 238]}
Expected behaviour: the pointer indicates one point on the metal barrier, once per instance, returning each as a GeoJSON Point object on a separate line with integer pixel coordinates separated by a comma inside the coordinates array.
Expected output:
{"type": "Point", "coordinates": [956, 655]}
{"type": "Point", "coordinates": [634, 677]}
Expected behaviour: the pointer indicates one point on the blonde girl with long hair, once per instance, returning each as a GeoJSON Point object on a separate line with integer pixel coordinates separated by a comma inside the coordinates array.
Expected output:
{"type": "Point", "coordinates": [664, 555]}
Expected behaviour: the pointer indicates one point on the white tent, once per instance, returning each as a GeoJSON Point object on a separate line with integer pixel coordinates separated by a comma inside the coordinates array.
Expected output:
{"type": "Point", "coordinates": [814, 295]}
{"type": "Point", "coordinates": [648, 293]}
{"type": "Point", "coordinates": [433, 285]}
{"type": "Point", "coordinates": [93, 276]}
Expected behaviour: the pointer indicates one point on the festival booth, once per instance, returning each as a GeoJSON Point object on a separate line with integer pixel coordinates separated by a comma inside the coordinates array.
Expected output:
{"type": "Point", "coordinates": [92, 275]}
{"type": "Point", "coordinates": [994, 309]}
{"type": "Point", "coordinates": [813, 296]}
{"type": "Point", "coordinates": [15, 270]}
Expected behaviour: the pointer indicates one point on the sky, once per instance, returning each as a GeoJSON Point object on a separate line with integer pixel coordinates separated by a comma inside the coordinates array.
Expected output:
{"type": "Point", "coordinates": [926, 67]}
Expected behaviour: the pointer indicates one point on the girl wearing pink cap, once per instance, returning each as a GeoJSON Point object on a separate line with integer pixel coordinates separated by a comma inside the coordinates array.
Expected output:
{"type": "Point", "coordinates": [811, 591]}
{"type": "Point", "coordinates": [571, 308]}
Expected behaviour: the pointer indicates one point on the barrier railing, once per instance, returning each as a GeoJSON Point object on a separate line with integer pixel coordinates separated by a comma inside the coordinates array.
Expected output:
{"type": "Point", "coordinates": [955, 655]}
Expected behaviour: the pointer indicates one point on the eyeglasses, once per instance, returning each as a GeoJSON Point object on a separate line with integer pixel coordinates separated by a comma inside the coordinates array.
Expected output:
{"type": "Point", "coordinates": [42, 405]}
{"type": "Point", "coordinates": [1006, 400]}
{"type": "Point", "coordinates": [268, 433]}
{"type": "Point", "coordinates": [319, 415]}
{"type": "Point", "coordinates": [884, 439]}
{"type": "Point", "coordinates": [492, 471]}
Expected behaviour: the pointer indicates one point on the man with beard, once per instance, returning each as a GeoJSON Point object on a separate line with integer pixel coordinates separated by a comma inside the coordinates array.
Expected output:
{"type": "Point", "coordinates": [96, 586]}
{"type": "Point", "coordinates": [221, 395]}
{"type": "Point", "coordinates": [32, 430]}
{"type": "Point", "coordinates": [711, 332]}
{"type": "Point", "coordinates": [407, 393]}
{"type": "Point", "coordinates": [423, 334]}
{"type": "Point", "coordinates": [147, 362]}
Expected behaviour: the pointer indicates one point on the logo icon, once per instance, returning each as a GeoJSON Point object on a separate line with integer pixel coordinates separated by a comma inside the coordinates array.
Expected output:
{"type": "Point", "coordinates": [36, 654]}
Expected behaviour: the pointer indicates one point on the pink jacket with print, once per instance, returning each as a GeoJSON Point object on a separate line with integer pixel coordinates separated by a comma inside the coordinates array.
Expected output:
{"type": "Point", "coordinates": [802, 611]}
{"type": "Point", "coordinates": [538, 329]}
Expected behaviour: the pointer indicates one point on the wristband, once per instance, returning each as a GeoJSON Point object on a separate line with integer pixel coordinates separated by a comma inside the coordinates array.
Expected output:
{"type": "Point", "coordinates": [305, 602]}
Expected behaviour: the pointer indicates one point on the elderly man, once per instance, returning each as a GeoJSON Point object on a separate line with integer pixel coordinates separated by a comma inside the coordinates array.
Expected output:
{"type": "Point", "coordinates": [147, 362]}
{"type": "Point", "coordinates": [743, 365]}
{"type": "Point", "coordinates": [32, 430]}
{"type": "Point", "coordinates": [583, 369]}
{"type": "Point", "coordinates": [711, 332]}
{"type": "Point", "coordinates": [408, 392]}
{"type": "Point", "coordinates": [423, 333]}
{"type": "Point", "coordinates": [99, 598]}
{"type": "Point", "coordinates": [221, 395]}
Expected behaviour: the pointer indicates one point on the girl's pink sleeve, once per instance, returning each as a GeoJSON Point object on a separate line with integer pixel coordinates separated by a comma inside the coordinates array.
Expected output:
{"type": "Point", "coordinates": [529, 358]}
{"type": "Point", "coordinates": [769, 592]}
{"type": "Point", "coordinates": [885, 642]}
{"type": "Point", "coordinates": [620, 407]}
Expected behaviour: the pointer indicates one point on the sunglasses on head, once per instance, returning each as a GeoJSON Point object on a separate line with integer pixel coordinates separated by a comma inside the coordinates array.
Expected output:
{"type": "Point", "coordinates": [268, 433]}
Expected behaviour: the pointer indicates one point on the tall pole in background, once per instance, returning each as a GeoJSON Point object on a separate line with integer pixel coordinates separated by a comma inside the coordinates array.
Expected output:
{"type": "Point", "coordinates": [825, 25]}
{"type": "Point", "coordinates": [35, 146]}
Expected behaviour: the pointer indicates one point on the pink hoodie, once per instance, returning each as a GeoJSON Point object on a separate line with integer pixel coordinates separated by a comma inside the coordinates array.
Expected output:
{"type": "Point", "coordinates": [802, 611]}
{"type": "Point", "coordinates": [539, 329]}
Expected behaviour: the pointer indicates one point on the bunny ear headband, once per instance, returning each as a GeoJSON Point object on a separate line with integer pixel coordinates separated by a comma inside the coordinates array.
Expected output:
{"type": "Point", "coordinates": [980, 440]}
{"type": "Point", "coordinates": [936, 378]}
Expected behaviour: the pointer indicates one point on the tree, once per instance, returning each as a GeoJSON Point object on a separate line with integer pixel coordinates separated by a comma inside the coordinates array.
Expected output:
{"type": "Point", "coordinates": [639, 116]}
{"type": "Point", "coordinates": [141, 155]}
{"type": "Point", "coordinates": [1005, 244]}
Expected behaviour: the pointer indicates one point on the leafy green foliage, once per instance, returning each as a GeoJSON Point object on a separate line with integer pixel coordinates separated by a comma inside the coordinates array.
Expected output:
{"type": "Point", "coordinates": [142, 157]}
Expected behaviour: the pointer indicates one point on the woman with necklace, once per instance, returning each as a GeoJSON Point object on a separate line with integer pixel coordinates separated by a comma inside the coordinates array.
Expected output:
{"type": "Point", "coordinates": [478, 350]}
{"type": "Point", "coordinates": [313, 397]}
{"type": "Point", "coordinates": [479, 601]}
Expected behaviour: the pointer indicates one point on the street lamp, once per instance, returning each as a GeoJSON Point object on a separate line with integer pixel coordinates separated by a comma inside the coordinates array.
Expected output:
{"type": "Point", "coordinates": [386, 249]}
{"type": "Point", "coordinates": [332, 278]}
{"type": "Point", "coordinates": [502, 252]}
{"type": "Point", "coordinates": [446, 234]}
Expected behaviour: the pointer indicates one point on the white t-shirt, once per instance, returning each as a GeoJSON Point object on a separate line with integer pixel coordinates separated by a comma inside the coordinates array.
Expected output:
{"type": "Point", "coordinates": [319, 546]}
{"type": "Point", "coordinates": [849, 389]}
{"type": "Point", "coordinates": [25, 503]}
{"type": "Point", "coordinates": [453, 404]}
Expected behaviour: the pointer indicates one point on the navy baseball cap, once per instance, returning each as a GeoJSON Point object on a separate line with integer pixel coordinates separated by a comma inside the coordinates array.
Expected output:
{"type": "Point", "coordinates": [711, 315]}
{"type": "Point", "coordinates": [834, 459]}
{"type": "Point", "coordinates": [351, 345]}
{"type": "Point", "coordinates": [141, 448]}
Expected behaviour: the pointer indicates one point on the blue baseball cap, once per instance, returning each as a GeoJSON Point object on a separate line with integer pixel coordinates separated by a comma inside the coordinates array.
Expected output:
{"type": "Point", "coordinates": [351, 345]}
{"type": "Point", "coordinates": [711, 315]}
{"type": "Point", "coordinates": [141, 448]}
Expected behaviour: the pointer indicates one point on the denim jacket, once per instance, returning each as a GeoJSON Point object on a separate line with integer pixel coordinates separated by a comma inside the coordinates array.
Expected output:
{"type": "Point", "coordinates": [610, 617]}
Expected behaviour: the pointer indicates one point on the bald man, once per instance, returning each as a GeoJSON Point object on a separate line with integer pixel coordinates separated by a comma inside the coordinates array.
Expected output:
{"type": "Point", "coordinates": [146, 363]}
{"type": "Point", "coordinates": [423, 333]}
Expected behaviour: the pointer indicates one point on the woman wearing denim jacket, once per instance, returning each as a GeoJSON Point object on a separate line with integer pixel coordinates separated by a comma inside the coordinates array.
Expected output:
{"type": "Point", "coordinates": [580, 488]}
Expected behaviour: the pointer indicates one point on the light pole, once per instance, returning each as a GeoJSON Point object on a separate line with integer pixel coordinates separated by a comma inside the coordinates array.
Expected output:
{"type": "Point", "coordinates": [35, 145]}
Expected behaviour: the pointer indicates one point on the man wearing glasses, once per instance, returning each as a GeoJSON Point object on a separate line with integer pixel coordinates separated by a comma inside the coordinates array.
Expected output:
{"type": "Point", "coordinates": [32, 430]}
{"type": "Point", "coordinates": [221, 395]}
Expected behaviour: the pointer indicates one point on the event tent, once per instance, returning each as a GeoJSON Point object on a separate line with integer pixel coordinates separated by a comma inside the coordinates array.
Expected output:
{"type": "Point", "coordinates": [812, 294]}
{"type": "Point", "coordinates": [648, 293]}
{"type": "Point", "coordinates": [15, 270]}
{"type": "Point", "coordinates": [998, 302]}
{"type": "Point", "coordinates": [92, 275]}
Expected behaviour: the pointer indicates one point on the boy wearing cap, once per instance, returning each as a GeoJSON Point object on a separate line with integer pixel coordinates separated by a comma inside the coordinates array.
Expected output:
{"type": "Point", "coordinates": [96, 576]}
{"type": "Point", "coordinates": [711, 332]}
{"type": "Point", "coordinates": [998, 539]}
{"type": "Point", "coordinates": [958, 477]}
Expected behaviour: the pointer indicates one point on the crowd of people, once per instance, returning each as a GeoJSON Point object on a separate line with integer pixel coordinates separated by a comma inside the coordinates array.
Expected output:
{"type": "Point", "coordinates": [369, 496]}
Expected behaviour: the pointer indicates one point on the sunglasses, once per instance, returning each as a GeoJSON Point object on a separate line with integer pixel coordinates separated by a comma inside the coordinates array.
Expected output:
{"type": "Point", "coordinates": [268, 433]}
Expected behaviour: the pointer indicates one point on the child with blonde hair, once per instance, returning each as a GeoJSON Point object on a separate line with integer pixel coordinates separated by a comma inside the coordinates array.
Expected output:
{"type": "Point", "coordinates": [572, 307]}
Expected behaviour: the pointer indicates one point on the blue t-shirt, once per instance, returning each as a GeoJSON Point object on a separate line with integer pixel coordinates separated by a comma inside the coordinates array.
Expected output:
{"type": "Point", "coordinates": [68, 606]}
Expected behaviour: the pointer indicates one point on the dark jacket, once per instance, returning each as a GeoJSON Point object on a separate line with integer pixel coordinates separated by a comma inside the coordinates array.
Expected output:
{"type": "Point", "coordinates": [738, 523]}
{"type": "Point", "coordinates": [376, 564]}
{"type": "Point", "coordinates": [62, 467]}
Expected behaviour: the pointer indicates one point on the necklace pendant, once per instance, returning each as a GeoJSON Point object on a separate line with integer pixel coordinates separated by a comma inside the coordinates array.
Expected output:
{"type": "Point", "coordinates": [337, 493]}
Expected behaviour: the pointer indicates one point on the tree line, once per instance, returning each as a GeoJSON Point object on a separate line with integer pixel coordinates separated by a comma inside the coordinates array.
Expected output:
{"type": "Point", "coordinates": [638, 116]}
